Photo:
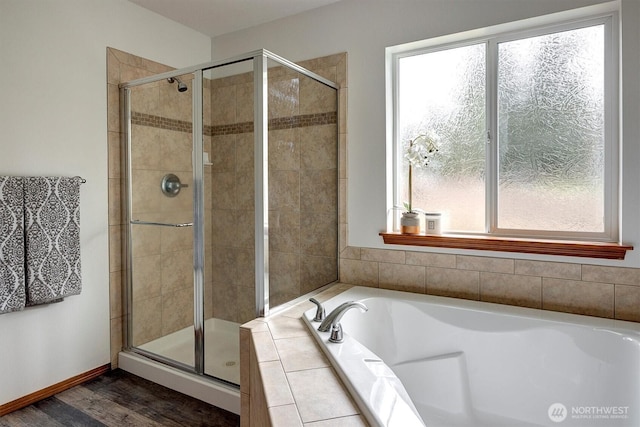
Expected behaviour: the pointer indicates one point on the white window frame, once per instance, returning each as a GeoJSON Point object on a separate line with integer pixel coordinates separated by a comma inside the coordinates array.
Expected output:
{"type": "Point", "coordinates": [606, 14]}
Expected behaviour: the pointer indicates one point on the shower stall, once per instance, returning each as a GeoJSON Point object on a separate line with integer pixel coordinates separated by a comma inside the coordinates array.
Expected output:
{"type": "Point", "coordinates": [231, 199]}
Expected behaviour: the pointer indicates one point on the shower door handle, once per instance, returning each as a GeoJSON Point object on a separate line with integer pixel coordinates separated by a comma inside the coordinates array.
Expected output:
{"type": "Point", "coordinates": [162, 224]}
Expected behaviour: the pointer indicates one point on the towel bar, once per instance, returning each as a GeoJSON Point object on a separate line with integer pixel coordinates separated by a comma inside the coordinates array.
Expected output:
{"type": "Point", "coordinates": [162, 224]}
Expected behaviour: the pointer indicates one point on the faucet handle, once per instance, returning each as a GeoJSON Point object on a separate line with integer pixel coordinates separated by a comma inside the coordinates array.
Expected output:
{"type": "Point", "coordinates": [336, 333]}
{"type": "Point", "coordinates": [320, 313]}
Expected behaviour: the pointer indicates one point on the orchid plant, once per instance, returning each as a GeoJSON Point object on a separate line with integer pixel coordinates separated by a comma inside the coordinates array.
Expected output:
{"type": "Point", "coordinates": [419, 152]}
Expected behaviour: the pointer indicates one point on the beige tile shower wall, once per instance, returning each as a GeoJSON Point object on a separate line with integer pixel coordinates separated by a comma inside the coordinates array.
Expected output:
{"type": "Point", "coordinates": [232, 190]}
{"type": "Point", "coordinates": [163, 270]}
{"type": "Point", "coordinates": [303, 169]}
{"type": "Point", "coordinates": [608, 292]}
{"type": "Point", "coordinates": [284, 188]}
{"type": "Point", "coordinates": [319, 184]}
{"type": "Point", "coordinates": [302, 187]}
{"type": "Point", "coordinates": [163, 295]}
{"type": "Point", "coordinates": [162, 256]}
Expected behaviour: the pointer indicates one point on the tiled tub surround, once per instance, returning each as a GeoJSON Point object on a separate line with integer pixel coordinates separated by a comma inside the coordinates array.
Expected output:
{"type": "Point", "coordinates": [281, 365]}
{"type": "Point", "coordinates": [602, 291]}
{"type": "Point", "coordinates": [285, 380]}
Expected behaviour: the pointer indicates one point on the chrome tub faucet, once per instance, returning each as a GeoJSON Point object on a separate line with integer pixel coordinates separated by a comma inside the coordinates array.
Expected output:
{"type": "Point", "coordinates": [332, 321]}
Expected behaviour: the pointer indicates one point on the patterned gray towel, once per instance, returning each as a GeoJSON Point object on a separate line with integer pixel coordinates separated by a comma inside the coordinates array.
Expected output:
{"type": "Point", "coordinates": [12, 293]}
{"type": "Point", "coordinates": [52, 238]}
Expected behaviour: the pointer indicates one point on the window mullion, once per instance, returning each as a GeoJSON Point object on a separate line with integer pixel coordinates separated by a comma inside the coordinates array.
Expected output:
{"type": "Point", "coordinates": [612, 153]}
{"type": "Point", "coordinates": [397, 144]}
{"type": "Point", "coordinates": [491, 184]}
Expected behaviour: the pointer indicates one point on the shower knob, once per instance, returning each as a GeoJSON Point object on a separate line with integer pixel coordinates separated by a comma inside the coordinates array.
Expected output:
{"type": "Point", "coordinates": [171, 185]}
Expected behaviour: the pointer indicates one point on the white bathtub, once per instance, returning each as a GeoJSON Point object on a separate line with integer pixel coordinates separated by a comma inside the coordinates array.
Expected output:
{"type": "Point", "coordinates": [423, 360]}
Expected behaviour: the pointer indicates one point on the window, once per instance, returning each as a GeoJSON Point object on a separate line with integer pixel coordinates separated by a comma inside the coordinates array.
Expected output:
{"type": "Point", "coordinates": [525, 123]}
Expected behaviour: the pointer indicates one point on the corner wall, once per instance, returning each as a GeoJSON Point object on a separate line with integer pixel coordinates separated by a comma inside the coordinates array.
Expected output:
{"type": "Point", "coordinates": [53, 118]}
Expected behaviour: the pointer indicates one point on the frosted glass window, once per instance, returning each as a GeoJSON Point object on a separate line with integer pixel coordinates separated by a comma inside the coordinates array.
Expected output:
{"type": "Point", "coordinates": [526, 129]}
{"type": "Point", "coordinates": [442, 94]}
{"type": "Point", "coordinates": [551, 132]}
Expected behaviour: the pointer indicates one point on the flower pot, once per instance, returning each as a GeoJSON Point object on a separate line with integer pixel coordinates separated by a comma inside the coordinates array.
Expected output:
{"type": "Point", "coordinates": [410, 223]}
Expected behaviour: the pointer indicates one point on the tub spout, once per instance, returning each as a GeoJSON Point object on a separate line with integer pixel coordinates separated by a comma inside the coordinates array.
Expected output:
{"type": "Point", "coordinates": [332, 321]}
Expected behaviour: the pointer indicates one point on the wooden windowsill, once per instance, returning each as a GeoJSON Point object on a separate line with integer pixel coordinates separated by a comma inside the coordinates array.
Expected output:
{"type": "Point", "coordinates": [511, 244]}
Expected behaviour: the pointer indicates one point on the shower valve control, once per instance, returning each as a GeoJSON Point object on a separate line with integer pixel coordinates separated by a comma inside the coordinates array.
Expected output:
{"type": "Point", "coordinates": [171, 185]}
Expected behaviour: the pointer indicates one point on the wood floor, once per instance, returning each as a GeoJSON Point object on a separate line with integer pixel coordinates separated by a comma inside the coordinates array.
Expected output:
{"type": "Point", "coordinates": [120, 399]}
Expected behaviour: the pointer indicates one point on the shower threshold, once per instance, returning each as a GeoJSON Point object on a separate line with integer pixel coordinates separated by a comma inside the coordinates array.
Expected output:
{"type": "Point", "coordinates": [222, 348]}
{"type": "Point", "coordinates": [222, 360]}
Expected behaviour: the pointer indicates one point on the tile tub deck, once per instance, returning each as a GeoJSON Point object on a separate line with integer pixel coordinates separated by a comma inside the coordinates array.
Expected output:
{"type": "Point", "coordinates": [285, 379]}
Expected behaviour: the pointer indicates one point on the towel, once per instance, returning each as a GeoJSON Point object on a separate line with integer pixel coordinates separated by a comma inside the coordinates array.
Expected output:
{"type": "Point", "coordinates": [12, 291]}
{"type": "Point", "coordinates": [52, 238]}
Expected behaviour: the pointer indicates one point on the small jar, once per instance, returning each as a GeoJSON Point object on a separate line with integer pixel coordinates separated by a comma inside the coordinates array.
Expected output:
{"type": "Point", "coordinates": [433, 223]}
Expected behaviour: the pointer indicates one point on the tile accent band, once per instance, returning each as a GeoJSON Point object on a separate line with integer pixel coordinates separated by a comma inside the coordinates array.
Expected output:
{"type": "Point", "coordinates": [303, 120]}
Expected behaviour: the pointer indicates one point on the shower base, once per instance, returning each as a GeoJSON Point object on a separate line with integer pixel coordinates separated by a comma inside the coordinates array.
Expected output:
{"type": "Point", "coordinates": [222, 360]}
{"type": "Point", "coordinates": [222, 348]}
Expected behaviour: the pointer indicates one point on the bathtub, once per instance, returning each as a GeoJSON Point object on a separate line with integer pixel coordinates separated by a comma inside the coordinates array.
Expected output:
{"type": "Point", "coordinates": [414, 360]}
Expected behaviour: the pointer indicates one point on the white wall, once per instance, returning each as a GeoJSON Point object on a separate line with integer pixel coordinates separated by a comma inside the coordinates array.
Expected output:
{"type": "Point", "coordinates": [53, 121]}
{"type": "Point", "coordinates": [363, 28]}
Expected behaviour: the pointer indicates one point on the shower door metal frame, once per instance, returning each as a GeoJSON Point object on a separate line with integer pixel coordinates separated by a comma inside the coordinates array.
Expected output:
{"type": "Point", "coordinates": [197, 130]}
{"type": "Point", "coordinates": [261, 145]}
{"type": "Point", "coordinates": [261, 170]}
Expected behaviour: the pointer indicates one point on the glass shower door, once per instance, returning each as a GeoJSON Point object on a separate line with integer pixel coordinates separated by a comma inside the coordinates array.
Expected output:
{"type": "Point", "coordinates": [161, 216]}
